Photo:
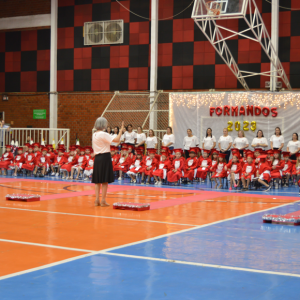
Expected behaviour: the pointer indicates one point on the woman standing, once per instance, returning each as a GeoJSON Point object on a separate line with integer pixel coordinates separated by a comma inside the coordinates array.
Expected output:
{"type": "Point", "coordinates": [293, 146]}
{"type": "Point", "coordinates": [130, 136]}
{"type": "Point", "coordinates": [241, 142]}
{"type": "Point", "coordinates": [260, 141]}
{"type": "Point", "coordinates": [169, 139]}
{"type": "Point", "coordinates": [151, 141]}
{"type": "Point", "coordinates": [209, 142]}
{"type": "Point", "coordinates": [108, 130]}
{"type": "Point", "coordinates": [140, 137]}
{"type": "Point", "coordinates": [115, 134]}
{"type": "Point", "coordinates": [103, 170]}
{"type": "Point", "coordinates": [277, 140]}
{"type": "Point", "coordinates": [190, 141]}
{"type": "Point", "coordinates": [225, 143]}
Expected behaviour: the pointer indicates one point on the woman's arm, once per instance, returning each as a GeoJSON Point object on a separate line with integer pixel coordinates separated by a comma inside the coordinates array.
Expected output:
{"type": "Point", "coordinates": [245, 147]}
{"type": "Point", "coordinates": [271, 144]}
{"type": "Point", "coordinates": [118, 137]}
{"type": "Point", "coordinates": [155, 147]}
{"type": "Point", "coordinates": [282, 144]}
{"type": "Point", "coordinates": [214, 145]}
{"type": "Point", "coordinates": [229, 146]}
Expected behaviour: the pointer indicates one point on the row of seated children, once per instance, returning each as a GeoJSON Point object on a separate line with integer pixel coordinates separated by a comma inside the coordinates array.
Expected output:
{"type": "Point", "coordinates": [261, 166]}
{"type": "Point", "coordinates": [34, 159]}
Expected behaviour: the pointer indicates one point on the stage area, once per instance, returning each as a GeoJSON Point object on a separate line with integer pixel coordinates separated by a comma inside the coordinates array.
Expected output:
{"type": "Point", "coordinates": [194, 243]}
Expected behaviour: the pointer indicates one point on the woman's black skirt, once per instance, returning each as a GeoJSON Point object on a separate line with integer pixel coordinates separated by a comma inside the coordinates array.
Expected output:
{"type": "Point", "coordinates": [103, 169]}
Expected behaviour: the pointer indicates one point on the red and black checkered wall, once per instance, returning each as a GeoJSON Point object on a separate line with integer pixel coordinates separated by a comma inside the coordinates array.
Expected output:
{"type": "Point", "coordinates": [186, 60]}
{"type": "Point", "coordinates": [25, 61]}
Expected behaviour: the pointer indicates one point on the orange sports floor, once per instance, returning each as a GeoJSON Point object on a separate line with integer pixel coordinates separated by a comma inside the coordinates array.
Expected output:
{"type": "Point", "coordinates": [65, 224]}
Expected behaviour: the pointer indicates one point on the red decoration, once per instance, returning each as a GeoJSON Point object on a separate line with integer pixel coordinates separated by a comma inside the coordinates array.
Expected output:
{"type": "Point", "coordinates": [211, 111]}
{"type": "Point", "coordinates": [249, 110]}
{"type": "Point", "coordinates": [274, 112]}
{"type": "Point", "coordinates": [257, 110]}
{"type": "Point", "coordinates": [266, 111]}
{"type": "Point", "coordinates": [226, 110]}
{"type": "Point", "coordinates": [131, 206]}
{"type": "Point", "coordinates": [242, 110]}
{"type": "Point", "coordinates": [234, 110]}
{"type": "Point", "coordinates": [219, 110]}
{"type": "Point", "coordinates": [23, 197]}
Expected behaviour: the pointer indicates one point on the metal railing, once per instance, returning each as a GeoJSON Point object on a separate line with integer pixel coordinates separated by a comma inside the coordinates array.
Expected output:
{"type": "Point", "coordinates": [36, 135]}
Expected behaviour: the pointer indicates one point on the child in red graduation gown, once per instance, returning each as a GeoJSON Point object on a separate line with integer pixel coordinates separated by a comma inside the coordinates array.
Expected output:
{"type": "Point", "coordinates": [79, 167]}
{"type": "Point", "coordinates": [29, 160]}
{"type": "Point", "coordinates": [123, 163]}
{"type": "Point", "coordinates": [234, 170]}
{"type": "Point", "coordinates": [6, 159]}
{"type": "Point", "coordinates": [214, 159]}
{"type": "Point", "coordinates": [164, 166]}
{"type": "Point", "coordinates": [296, 168]}
{"type": "Point", "coordinates": [67, 166]}
{"type": "Point", "coordinates": [89, 167]}
{"type": "Point", "coordinates": [88, 150]}
{"type": "Point", "coordinates": [36, 151]}
{"type": "Point", "coordinates": [18, 161]}
{"type": "Point", "coordinates": [287, 168]}
{"type": "Point", "coordinates": [150, 164]}
{"type": "Point", "coordinates": [248, 171]}
{"type": "Point", "coordinates": [219, 171]}
{"type": "Point", "coordinates": [190, 165]}
{"type": "Point", "coordinates": [257, 153]}
{"type": "Point", "coordinates": [50, 154]}
{"type": "Point", "coordinates": [59, 160]}
{"type": "Point", "coordinates": [204, 165]}
{"type": "Point", "coordinates": [42, 163]}
{"type": "Point", "coordinates": [114, 156]}
{"type": "Point", "coordinates": [277, 166]}
{"type": "Point", "coordinates": [137, 165]}
{"type": "Point", "coordinates": [263, 173]}
{"type": "Point", "coordinates": [177, 167]}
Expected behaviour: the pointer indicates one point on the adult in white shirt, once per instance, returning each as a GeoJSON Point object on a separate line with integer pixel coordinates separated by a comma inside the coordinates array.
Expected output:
{"type": "Point", "coordinates": [209, 142]}
{"type": "Point", "coordinates": [225, 143]}
{"type": "Point", "coordinates": [169, 139]}
{"type": "Point", "coordinates": [115, 134]}
{"type": "Point", "coordinates": [103, 170]}
{"type": "Point", "coordinates": [189, 141]}
{"type": "Point", "coordinates": [241, 142]}
{"type": "Point", "coordinates": [130, 136]}
{"type": "Point", "coordinates": [140, 137]}
{"type": "Point", "coordinates": [151, 141]}
{"type": "Point", "coordinates": [260, 141]}
{"type": "Point", "coordinates": [277, 140]}
{"type": "Point", "coordinates": [293, 146]}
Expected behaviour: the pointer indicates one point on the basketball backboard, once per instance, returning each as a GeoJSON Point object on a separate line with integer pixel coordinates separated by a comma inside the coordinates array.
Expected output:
{"type": "Point", "coordinates": [219, 9]}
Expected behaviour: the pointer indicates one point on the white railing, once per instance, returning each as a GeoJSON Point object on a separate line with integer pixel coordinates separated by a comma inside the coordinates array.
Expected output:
{"type": "Point", "coordinates": [37, 135]}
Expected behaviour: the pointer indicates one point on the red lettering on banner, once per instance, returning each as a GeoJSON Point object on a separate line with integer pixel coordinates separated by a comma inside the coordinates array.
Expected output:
{"type": "Point", "coordinates": [242, 110]}
{"type": "Point", "coordinates": [274, 112]}
{"type": "Point", "coordinates": [234, 110]}
{"type": "Point", "coordinates": [211, 111]}
{"type": "Point", "coordinates": [266, 111]}
{"type": "Point", "coordinates": [249, 110]}
{"type": "Point", "coordinates": [257, 110]}
{"type": "Point", "coordinates": [226, 110]}
{"type": "Point", "coordinates": [219, 110]}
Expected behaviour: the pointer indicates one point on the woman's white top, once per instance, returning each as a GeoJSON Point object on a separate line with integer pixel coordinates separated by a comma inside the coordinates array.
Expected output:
{"type": "Point", "coordinates": [240, 142]}
{"type": "Point", "coordinates": [140, 137]}
{"type": "Point", "coordinates": [277, 140]}
{"type": "Point", "coordinates": [209, 142]}
{"type": "Point", "coordinates": [101, 142]}
{"type": "Point", "coordinates": [261, 140]}
{"type": "Point", "coordinates": [151, 141]}
{"type": "Point", "coordinates": [225, 141]}
{"type": "Point", "coordinates": [169, 138]}
{"type": "Point", "coordinates": [190, 142]}
{"type": "Point", "coordinates": [114, 136]}
{"type": "Point", "coordinates": [129, 137]}
{"type": "Point", "coordinates": [293, 146]}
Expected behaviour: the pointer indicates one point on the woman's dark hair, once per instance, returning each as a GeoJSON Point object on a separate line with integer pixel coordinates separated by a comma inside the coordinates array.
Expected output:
{"type": "Point", "coordinates": [279, 130]}
{"type": "Point", "coordinates": [117, 128]}
{"type": "Point", "coordinates": [140, 128]}
{"type": "Point", "coordinates": [261, 133]}
{"type": "Point", "coordinates": [296, 135]}
{"type": "Point", "coordinates": [107, 129]}
{"type": "Point", "coordinates": [207, 130]}
{"type": "Point", "coordinates": [129, 125]}
{"type": "Point", "coordinates": [151, 131]}
{"type": "Point", "coordinates": [170, 129]}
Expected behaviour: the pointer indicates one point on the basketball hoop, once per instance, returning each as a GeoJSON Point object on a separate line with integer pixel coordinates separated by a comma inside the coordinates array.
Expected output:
{"type": "Point", "coordinates": [213, 8]}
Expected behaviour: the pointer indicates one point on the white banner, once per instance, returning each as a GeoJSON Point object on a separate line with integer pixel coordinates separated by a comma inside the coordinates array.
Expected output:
{"type": "Point", "coordinates": [249, 111]}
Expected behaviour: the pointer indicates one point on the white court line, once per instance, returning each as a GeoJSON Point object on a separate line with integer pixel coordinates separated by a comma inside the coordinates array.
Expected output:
{"type": "Point", "coordinates": [140, 242]}
{"type": "Point", "coordinates": [93, 216]}
{"type": "Point", "coordinates": [46, 245]}
{"type": "Point", "coordinates": [200, 264]}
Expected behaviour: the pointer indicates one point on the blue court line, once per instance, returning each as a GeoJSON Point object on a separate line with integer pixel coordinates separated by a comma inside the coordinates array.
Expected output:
{"type": "Point", "coordinates": [120, 278]}
{"type": "Point", "coordinates": [244, 242]}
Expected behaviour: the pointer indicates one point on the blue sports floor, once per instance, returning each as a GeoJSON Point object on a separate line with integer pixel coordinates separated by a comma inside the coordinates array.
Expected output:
{"type": "Point", "coordinates": [235, 257]}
